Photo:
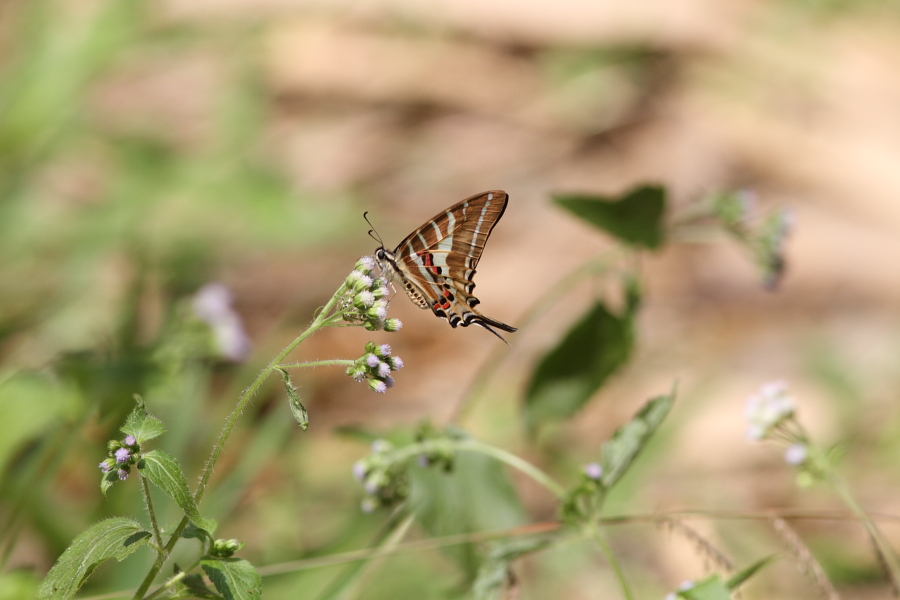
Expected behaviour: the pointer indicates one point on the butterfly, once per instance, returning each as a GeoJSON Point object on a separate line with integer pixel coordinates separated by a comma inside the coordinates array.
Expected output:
{"type": "Point", "coordinates": [436, 262]}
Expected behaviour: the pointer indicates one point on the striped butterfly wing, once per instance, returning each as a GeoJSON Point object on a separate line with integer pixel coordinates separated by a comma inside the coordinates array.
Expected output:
{"type": "Point", "coordinates": [436, 263]}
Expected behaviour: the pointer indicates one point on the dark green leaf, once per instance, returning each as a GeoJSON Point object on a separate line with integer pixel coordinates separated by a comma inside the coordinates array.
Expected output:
{"type": "Point", "coordinates": [141, 424]}
{"type": "Point", "coordinates": [476, 496]}
{"type": "Point", "coordinates": [574, 370]}
{"type": "Point", "coordinates": [711, 588]}
{"type": "Point", "coordinates": [113, 538]}
{"type": "Point", "coordinates": [629, 439]}
{"type": "Point", "coordinates": [197, 588]}
{"type": "Point", "coordinates": [494, 576]}
{"type": "Point", "coordinates": [234, 578]}
{"type": "Point", "coordinates": [297, 408]}
{"type": "Point", "coordinates": [635, 218]}
{"type": "Point", "coordinates": [736, 580]}
{"type": "Point", "coordinates": [164, 471]}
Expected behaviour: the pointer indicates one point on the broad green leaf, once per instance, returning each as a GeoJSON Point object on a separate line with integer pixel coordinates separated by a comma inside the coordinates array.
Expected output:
{"type": "Point", "coordinates": [630, 439]}
{"type": "Point", "coordinates": [297, 408]}
{"type": "Point", "coordinates": [197, 588]}
{"type": "Point", "coordinates": [493, 575]}
{"type": "Point", "coordinates": [108, 479]}
{"type": "Point", "coordinates": [165, 472]}
{"type": "Point", "coordinates": [711, 588]}
{"type": "Point", "coordinates": [567, 376]}
{"type": "Point", "coordinates": [141, 424]}
{"type": "Point", "coordinates": [113, 538]}
{"type": "Point", "coordinates": [234, 578]}
{"type": "Point", "coordinates": [634, 218]}
{"type": "Point", "coordinates": [476, 496]}
{"type": "Point", "coordinates": [736, 580]}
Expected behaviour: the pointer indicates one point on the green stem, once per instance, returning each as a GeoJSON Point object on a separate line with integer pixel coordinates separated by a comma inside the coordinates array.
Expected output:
{"type": "Point", "coordinates": [342, 362]}
{"type": "Point", "coordinates": [322, 319]}
{"type": "Point", "coordinates": [593, 532]}
{"type": "Point", "coordinates": [148, 500]}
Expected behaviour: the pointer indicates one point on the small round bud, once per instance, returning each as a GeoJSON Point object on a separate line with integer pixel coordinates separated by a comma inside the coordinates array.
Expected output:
{"type": "Point", "coordinates": [392, 325]}
{"type": "Point", "coordinates": [593, 471]}
{"type": "Point", "coordinates": [123, 474]}
{"type": "Point", "coordinates": [383, 350]}
{"type": "Point", "coordinates": [396, 363]}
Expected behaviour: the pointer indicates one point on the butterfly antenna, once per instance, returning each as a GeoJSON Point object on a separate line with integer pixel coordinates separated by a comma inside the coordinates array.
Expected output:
{"type": "Point", "coordinates": [372, 233]}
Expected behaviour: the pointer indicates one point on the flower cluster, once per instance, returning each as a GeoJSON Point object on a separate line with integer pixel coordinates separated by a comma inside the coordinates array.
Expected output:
{"type": "Point", "coordinates": [364, 300]}
{"type": "Point", "coordinates": [767, 409]}
{"type": "Point", "coordinates": [383, 476]}
{"type": "Point", "coordinates": [765, 238]}
{"type": "Point", "coordinates": [376, 366]}
{"type": "Point", "coordinates": [212, 304]}
{"type": "Point", "coordinates": [121, 457]}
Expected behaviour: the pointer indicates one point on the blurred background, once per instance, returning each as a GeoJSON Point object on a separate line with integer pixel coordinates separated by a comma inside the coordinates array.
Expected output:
{"type": "Point", "coordinates": [147, 149]}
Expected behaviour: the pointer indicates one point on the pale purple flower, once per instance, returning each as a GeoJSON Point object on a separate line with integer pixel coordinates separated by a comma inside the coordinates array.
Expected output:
{"type": "Point", "coordinates": [389, 381]}
{"type": "Point", "coordinates": [372, 484]}
{"type": "Point", "coordinates": [593, 470]}
{"type": "Point", "coordinates": [104, 466]}
{"type": "Point", "coordinates": [796, 454]}
{"type": "Point", "coordinates": [767, 409]}
{"type": "Point", "coordinates": [396, 363]}
{"type": "Point", "coordinates": [123, 474]}
{"type": "Point", "coordinates": [366, 262]}
{"type": "Point", "coordinates": [365, 298]}
{"type": "Point", "coordinates": [372, 361]}
{"type": "Point", "coordinates": [393, 324]}
{"type": "Point", "coordinates": [686, 585]}
{"type": "Point", "coordinates": [383, 350]}
{"type": "Point", "coordinates": [129, 440]}
{"type": "Point", "coordinates": [384, 370]}
{"type": "Point", "coordinates": [212, 305]}
{"type": "Point", "coordinates": [359, 470]}
{"type": "Point", "coordinates": [122, 455]}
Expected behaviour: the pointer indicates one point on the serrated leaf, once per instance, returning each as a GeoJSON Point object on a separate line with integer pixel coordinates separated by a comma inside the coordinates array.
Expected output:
{"type": "Point", "coordinates": [569, 374]}
{"type": "Point", "coordinates": [630, 439]}
{"type": "Point", "coordinates": [634, 218]}
{"type": "Point", "coordinates": [711, 588]}
{"type": "Point", "coordinates": [141, 424]}
{"type": "Point", "coordinates": [743, 575]}
{"type": "Point", "coordinates": [297, 408]}
{"type": "Point", "coordinates": [113, 538]}
{"type": "Point", "coordinates": [493, 575]}
{"type": "Point", "coordinates": [163, 470]}
{"type": "Point", "coordinates": [476, 496]}
{"type": "Point", "coordinates": [234, 578]}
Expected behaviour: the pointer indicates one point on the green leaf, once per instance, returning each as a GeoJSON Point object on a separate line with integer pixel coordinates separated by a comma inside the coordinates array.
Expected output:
{"type": "Point", "coordinates": [108, 479]}
{"type": "Point", "coordinates": [634, 218]}
{"type": "Point", "coordinates": [567, 376]}
{"type": "Point", "coordinates": [234, 578]}
{"type": "Point", "coordinates": [197, 588]}
{"type": "Point", "coordinates": [711, 588]}
{"type": "Point", "coordinates": [141, 424]}
{"type": "Point", "coordinates": [163, 470]}
{"type": "Point", "coordinates": [113, 538]}
{"type": "Point", "coordinates": [297, 408]}
{"type": "Point", "coordinates": [628, 440]}
{"type": "Point", "coordinates": [201, 529]}
{"type": "Point", "coordinates": [494, 576]}
{"type": "Point", "coordinates": [476, 496]}
{"type": "Point", "coordinates": [736, 580]}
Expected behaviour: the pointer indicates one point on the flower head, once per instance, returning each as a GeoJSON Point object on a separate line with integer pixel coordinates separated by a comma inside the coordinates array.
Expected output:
{"type": "Point", "coordinates": [593, 471]}
{"type": "Point", "coordinates": [383, 350]}
{"type": "Point", "coordinates": [393, 325]}
{"type": "Point", "coordinates": [122, 455]}
{"type": "Point", "coordinates": [384, 370]}
{"type": "Point", "coordinates": [212, 305]}
{"type": "Point", "coordinates": [796, 454]}
{"type": "Point", "coordinates": [129, 440]}
{"type": "Point", "coordinates": [377, 386]}
{"type": "Point", "coordinates": [372, 361]}
{"type": "Point", "coordinates": [123, 474]}
{"type": "Point", "coordinates": [768, 408]}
